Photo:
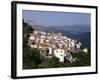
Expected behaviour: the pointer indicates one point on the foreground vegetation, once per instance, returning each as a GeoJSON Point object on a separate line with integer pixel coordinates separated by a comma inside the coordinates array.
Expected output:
{"type": "Point", "coordinates": [33, 60]}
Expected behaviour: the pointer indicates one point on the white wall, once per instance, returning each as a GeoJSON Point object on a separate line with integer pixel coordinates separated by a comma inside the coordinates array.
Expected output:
{"type": "Point", "coordinates": [5, 40]}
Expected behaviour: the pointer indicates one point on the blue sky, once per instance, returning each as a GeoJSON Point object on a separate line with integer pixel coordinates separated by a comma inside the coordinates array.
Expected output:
{"type": "Point", "coordinates": [56, 18]}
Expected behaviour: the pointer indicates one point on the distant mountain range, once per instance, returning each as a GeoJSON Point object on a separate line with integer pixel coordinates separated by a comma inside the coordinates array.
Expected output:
{"type": "Point", "coordinates": [80, 32]}
{"type": "Point", "coordinates": [75, 28]}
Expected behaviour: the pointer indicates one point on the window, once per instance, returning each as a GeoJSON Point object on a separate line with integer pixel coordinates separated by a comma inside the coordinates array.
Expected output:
{"type": "Point", "coordinates": [47, 50]}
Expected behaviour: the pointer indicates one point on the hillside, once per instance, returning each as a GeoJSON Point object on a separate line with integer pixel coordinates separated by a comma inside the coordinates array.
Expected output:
{"type": "Point", "coordinates": [78, 32]}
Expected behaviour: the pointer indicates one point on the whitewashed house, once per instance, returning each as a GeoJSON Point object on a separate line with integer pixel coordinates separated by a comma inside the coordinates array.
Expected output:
{"type": "Point", "coordinates": [32, 38]}
{"type": "Point", "coordinates": [85, 50]}
{"type": "Point", "coordinates": [43, 45]}
{"type": "Point", "coordinates": [78, 45]}
{"type": "Point", "coordinates": [50, 51]}
{"type": "Point", "coordinates": [41, 40]}
{"type": "Point", "coordinates": [34, 46]}
{"type": "Point", "coordinates": [53, 46]}
{"type": "Point", "coordinates": [47, 40]}
{"type": "Point", "coordinates": [43, 36]}
{"type": "Point", "coordinates": [60, 45]}
{"type": "Point", "coordinates": [60, 53]}
{"type": "Point", "coordinates": [36, 32]}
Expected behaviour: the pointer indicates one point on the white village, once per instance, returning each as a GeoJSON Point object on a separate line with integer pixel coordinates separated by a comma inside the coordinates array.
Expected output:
{"type": "Point", "coordinates": [55, 44]}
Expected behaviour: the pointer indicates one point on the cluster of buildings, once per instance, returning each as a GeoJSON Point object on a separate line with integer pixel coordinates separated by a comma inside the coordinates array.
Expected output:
{"type": "Point", "coordinates": [54, 44]}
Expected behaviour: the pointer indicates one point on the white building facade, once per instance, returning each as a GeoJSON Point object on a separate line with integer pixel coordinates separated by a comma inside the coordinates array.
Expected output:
{"type": "Point", "coordinates": [60, 53]}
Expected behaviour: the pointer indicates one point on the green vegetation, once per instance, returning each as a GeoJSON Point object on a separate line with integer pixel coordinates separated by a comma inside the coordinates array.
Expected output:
{"type": "Point", "coordinates": [82, 59]}
{"type": "Point", "coordinates": [31, 58]}
{"type": "Point", "coordinates": [26, 30]}
{"type": "Point", "coordinates": [50, 63]}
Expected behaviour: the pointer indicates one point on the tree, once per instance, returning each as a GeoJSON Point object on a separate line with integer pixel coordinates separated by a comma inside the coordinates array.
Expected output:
{"type": "Point", "coordinates": [84, 59]}
{"type": "Point", "coordinates": [31, 58]}
{"type": "Point", "coordinates": [50, 63]}
{"type": "Point", "coordinates": [27, 29]}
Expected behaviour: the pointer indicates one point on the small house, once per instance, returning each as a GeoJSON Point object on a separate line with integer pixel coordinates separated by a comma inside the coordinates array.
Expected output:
{"type": "Point", "coordinates": [59, 53]}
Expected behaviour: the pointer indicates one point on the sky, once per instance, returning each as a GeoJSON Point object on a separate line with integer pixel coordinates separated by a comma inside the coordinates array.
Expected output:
{"type": "Point", "coordinates": [50, 18]}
